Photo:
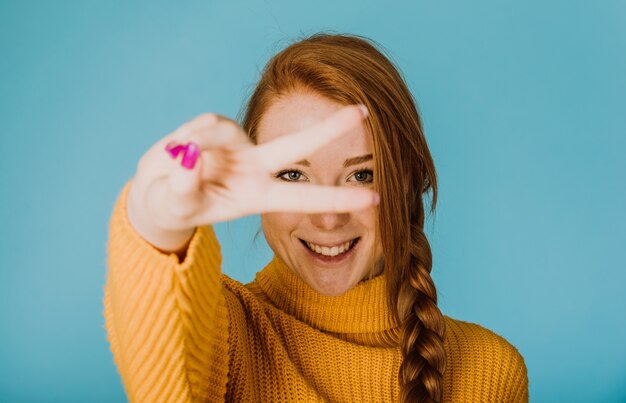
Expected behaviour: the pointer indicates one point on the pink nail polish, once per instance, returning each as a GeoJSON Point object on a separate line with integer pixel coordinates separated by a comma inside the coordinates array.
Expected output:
{"type": "Point", "coordinates": [174, 149]}
{"type": "Point", "coordinates": [191, 155]}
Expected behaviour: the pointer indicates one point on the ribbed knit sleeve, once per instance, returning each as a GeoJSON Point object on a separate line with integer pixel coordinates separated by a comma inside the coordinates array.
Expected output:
{"type": "Point", "coordinates": [167, 322]}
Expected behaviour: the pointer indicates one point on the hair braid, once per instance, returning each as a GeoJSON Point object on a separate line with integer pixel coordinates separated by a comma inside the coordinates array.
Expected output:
{"type": "Point", "coordinates": [423, 327]}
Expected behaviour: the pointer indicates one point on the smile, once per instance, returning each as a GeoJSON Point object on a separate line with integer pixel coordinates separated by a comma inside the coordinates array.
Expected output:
{"type": "Point", "coordinates": [331, 250]}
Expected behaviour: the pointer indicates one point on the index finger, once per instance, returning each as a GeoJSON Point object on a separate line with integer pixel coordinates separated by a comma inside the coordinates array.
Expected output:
{"type": "Point", "coordinates": [294, 147]}
{"type": "Point", "coordinates": [307, 198]}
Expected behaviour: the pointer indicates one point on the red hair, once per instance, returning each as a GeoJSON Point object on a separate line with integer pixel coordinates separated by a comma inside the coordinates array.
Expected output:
{"type": "Point", "coordinates": [350, 70]}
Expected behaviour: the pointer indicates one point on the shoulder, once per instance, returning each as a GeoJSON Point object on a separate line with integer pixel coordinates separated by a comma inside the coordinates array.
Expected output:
{"type": "Point", "coordinates": [242, 300]}
{"type": "Point", "coordinates": [478, 339]}
{"type": "Point", "coordinates": [480, 358]}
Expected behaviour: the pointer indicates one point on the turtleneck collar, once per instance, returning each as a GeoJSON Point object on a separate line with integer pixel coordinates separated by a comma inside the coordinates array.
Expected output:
{"type": "Point", "coordinates": [363, 309]}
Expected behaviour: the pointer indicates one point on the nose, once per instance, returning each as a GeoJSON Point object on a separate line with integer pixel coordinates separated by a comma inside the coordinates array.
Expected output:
{"type": "Point", "coordinates": [330, 221]}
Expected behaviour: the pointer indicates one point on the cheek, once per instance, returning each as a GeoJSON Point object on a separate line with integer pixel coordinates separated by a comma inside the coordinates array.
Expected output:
{"type": "Point", "coordinates": [279, 226]}
{"type": "Point", "coordinates": [371, 221]}
{"type": "Point", "coordinates": [368, 219]}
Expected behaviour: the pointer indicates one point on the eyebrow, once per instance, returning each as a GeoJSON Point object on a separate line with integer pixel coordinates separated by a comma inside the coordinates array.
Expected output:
{"type": "Point", "coordinates": [349, 162]}
{"type": "Point", "coordinates": [357, 160]}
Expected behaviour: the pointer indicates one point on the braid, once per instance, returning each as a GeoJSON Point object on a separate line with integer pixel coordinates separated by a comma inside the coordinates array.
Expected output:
{"type": "Point", "coordinates": [423, 327]}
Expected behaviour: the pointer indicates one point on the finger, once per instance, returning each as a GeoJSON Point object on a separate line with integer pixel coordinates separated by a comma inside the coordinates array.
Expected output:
{"type": "Point", "coordinates": [216, 142]}
{"type": "Point", "coordinates": [158, 159]}
{"type": "Point", "coordinates": [184, 184]}
{"type": "Point", "coordinates": [219, 160]}
{"type": "Point", "coordinates": [223, 133]}
{"type": "Point", "coordinates": [201, 121]}
{"type": "Point", "coordinates": [294, 147]}
{"type": "Point", "coordinates": [306, 198]}
{"type": "Point", "coordinates": [206, 130]}
{"type": "Point", "coordinates": [217, 165]}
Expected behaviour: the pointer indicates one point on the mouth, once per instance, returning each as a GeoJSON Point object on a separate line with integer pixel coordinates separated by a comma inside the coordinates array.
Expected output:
{"type": "Point", "coordinates": [331, 252]}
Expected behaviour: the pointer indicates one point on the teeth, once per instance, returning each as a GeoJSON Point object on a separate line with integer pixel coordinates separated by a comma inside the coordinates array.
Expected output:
{"type": "Point", "coordinates": [333, 251]}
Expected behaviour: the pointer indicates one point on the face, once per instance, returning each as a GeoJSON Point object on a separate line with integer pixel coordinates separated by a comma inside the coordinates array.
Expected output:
{"type": "Point", "coordinates": [331, 252]}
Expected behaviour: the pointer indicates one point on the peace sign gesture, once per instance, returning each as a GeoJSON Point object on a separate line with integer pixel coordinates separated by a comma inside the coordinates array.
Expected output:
{"type": "Point", "coordinates": [232, 178]}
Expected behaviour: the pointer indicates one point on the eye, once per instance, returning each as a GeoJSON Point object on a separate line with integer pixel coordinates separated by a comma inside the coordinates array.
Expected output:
{"type": "Point", "coordinates": [363, 176]}
{"type": "Point", "coordinates": [291, 175]}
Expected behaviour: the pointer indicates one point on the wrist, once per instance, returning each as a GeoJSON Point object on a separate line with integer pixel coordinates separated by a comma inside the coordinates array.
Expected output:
{"type": "Point", "coordinates": [167, 241]}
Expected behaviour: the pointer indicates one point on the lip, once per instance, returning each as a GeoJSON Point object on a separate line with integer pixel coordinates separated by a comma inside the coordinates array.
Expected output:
{"type": "Point", "coordinates": [331, 260]}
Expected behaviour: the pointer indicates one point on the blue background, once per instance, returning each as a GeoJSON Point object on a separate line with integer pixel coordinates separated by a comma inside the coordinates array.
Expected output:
{"type": "Point", "coordinates": [523, 104]}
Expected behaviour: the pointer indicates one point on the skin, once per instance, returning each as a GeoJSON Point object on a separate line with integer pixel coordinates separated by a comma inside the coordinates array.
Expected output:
{"type": "Point", "coordinates": [286, 231]}
{"type": "Point", "coordinates": [233, 178]}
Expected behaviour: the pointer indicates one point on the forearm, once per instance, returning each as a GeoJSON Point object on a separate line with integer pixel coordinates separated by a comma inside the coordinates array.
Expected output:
{"type": "Point", "coordinates": [166, 321]}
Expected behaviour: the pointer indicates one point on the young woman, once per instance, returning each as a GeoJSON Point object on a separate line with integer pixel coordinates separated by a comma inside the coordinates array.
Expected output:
{"type": "Point", "coordinates": [332, 155]}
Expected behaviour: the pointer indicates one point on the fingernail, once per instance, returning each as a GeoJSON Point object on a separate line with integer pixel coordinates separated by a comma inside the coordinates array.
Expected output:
{"type": "Point", "coordinates": [364, 110]}
{"type": "Point", "coordinates": [173, 149]}
{"type": "Point", "coordinates": [191, 155]}
{"type": "Point", "coordinates": [376, 199]}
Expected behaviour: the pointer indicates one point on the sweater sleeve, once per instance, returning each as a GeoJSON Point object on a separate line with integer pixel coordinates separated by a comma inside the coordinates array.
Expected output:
{"type": "Point", "coordinates": [166, 321]}
{"type": "Point", "coordinates": [519, 384]}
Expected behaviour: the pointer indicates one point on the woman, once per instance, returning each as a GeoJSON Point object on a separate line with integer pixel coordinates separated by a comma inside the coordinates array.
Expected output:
{"type": "Point", "coordinates": [346, 310]}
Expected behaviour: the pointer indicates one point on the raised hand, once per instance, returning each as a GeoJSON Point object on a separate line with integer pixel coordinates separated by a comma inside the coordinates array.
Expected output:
{"type": "Point", "coordinates": [232, 178]}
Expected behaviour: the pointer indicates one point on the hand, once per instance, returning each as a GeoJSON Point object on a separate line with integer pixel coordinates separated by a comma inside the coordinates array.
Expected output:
{"type": "Point", "coordinates": [233, 178]}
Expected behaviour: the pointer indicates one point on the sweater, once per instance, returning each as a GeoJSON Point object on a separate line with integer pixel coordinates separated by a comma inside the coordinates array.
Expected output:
{"type": "Point", "coordinates": [184, 332]}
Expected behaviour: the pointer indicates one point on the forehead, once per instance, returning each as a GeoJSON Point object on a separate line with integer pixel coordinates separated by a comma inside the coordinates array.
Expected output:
{"type": "Point", "coordinates": [298, 110]}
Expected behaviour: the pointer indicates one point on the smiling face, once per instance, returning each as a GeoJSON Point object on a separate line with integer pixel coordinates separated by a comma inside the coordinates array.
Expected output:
{"type": "Point", "coordinates": [331, 252]}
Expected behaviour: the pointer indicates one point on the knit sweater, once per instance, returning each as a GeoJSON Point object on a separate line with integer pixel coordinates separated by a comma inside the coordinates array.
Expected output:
{"type": "Point", "coordinates": [184, 332]}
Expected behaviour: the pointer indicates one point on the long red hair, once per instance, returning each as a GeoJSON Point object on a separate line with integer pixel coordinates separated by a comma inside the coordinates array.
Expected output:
{"type": "Point", "coordinates": [350, 70]}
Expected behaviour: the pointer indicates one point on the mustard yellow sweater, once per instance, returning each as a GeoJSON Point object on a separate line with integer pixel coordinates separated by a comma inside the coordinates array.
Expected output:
{"type": "Point", "coordinates": [183, 332]}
